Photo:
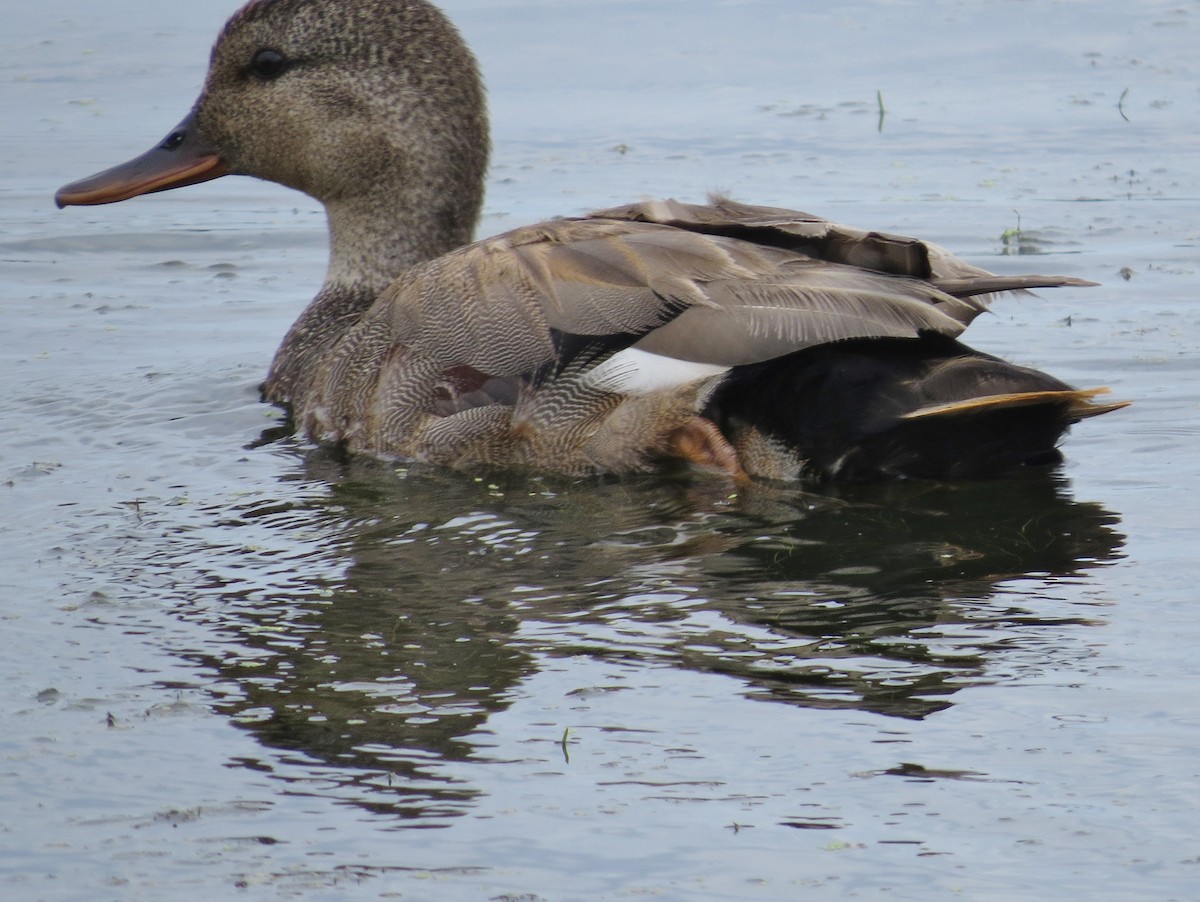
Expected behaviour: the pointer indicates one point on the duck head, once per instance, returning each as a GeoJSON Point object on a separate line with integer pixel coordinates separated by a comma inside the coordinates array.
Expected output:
{"type": "Point", "coordinates": [373, 107]}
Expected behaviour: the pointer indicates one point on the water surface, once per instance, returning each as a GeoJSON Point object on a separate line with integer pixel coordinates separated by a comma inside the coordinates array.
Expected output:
{"type": "Point", "coordinates": [236, 662]}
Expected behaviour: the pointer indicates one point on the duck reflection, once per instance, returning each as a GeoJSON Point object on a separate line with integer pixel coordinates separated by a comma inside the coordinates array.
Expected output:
{"type": "Point", "coordinates": [441, 595]}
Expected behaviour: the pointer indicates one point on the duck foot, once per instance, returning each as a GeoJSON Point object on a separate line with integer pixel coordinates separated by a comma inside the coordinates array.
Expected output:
{"type": "Point", "coordinates": [700, 443]}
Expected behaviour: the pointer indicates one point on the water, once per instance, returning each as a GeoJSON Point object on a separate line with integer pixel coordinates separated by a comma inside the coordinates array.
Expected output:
{"type": "Point", "coordinates": [236, 665]}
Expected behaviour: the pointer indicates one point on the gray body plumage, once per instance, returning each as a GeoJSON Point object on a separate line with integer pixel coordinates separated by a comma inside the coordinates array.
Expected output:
{"type": "Point", "coordinates": [608, 343]}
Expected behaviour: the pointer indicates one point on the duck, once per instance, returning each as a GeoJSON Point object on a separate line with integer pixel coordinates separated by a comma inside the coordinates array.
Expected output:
{"type": "Point", "coordinates": [750, 341]}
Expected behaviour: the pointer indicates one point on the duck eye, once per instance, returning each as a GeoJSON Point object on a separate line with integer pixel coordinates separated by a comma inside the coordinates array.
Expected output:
{"type": "Point", "coordinates": [268, 64]}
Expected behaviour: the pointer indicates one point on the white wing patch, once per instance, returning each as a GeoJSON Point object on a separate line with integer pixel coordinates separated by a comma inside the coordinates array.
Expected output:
{"type": "Point", "coordinates": [634, 372]}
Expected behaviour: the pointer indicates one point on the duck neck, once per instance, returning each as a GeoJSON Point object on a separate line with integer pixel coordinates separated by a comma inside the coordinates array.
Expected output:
{"type": "Point", "coordinates": [373, 239]}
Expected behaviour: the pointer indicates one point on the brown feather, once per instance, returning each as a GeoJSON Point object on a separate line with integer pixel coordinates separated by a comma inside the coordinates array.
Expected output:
{"type": "Point", "coordinates": [1078, 403]}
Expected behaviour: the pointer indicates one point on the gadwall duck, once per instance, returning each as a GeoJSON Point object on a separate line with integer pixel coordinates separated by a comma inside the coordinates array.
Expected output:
{"type": "Point", "coordinates": [749, 340]}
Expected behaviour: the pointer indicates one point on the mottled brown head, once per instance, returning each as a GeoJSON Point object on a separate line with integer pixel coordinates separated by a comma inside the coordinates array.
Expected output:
{"type": "Point", "coordinates": [329, 98]}
{"type": "Point", "coordinates": [341, 100]}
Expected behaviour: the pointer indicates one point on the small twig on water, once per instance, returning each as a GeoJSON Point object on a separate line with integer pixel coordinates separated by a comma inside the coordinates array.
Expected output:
{"type": "Point", "coordinates": [1121, 104]}
{"type": "Point", "coordinates": [1011, 238]}
{"type": "Point", "coordinates": [882, 109]}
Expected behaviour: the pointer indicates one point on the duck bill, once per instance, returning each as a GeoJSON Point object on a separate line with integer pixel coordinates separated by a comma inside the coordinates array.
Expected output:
{"type": "Point", "coordinates": [183, 158]}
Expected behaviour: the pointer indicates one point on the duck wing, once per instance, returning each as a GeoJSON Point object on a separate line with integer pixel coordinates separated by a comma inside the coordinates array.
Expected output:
{"type": "Point", "coordinates": [658, 299]}
{"type": "Point", "coordinates": [821, 239]}
{"type": "Point", "coordinates": [513, 303]}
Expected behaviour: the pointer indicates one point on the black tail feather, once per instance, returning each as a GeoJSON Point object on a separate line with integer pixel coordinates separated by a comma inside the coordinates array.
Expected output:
{"type": "Point", "coordinates": [847, 410]}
